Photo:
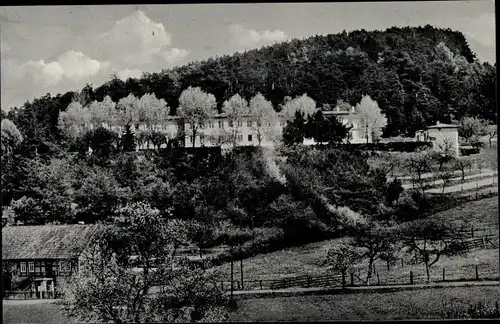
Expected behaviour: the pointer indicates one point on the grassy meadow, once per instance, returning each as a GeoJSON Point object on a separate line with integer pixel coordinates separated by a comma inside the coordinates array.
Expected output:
{"type": "Point", "coordinates": [415, 304]}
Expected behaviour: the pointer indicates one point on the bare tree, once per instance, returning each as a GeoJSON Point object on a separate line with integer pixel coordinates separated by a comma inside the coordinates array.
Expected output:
{"type": "Point", "coordinates": [377, 239]}
{"type": "Point", "coordinates": [445, 175]}
{"type": "Point", "coordinates": [471, 129]}
{"type": "Point", "coordinates": [417, 164]}
{"type": "Point", "coordinates": [196, 107]}
{"type": "Point", "coordinates": [372, 119]}
{"type": "Point", "coordinates": [491, 131]}
{"type": "Point", "coordinates": [427, 240]}
{"type": "Point", "coordinates": [343, 257]}
{"type": "Point", "coordinates": [462, 163]}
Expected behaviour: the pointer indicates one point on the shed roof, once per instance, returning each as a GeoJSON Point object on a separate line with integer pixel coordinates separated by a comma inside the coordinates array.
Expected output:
{"type": "Point", "coordinates": [46, 241]}
{"type": "Point", "coordinates": [442, 126]}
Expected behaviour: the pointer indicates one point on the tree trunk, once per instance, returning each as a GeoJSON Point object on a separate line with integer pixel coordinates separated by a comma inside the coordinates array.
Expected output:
{"type": "Point", "coordinates": [428, 272]}
{"type": "Point", "coordinates": [370, 270]}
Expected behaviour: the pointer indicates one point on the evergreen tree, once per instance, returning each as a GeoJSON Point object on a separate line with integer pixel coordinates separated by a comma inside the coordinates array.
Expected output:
{"type": "Point", "coordinates": [128, 140]}
{"type": "Point", "coordinates": [295, 131]}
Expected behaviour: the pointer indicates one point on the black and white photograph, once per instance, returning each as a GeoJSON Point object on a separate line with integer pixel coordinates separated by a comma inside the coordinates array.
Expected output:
{"type": "Point", "coordinates": [241, 162]}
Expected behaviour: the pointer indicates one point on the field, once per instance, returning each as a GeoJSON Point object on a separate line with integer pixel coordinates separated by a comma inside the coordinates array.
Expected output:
{"type": "Point", "coordinates": [416, 304]}
{"type": "Point", "coordinates": [32, 312]}
{"type": "Point", "coordinates": [307, 259]}
{"type": "Point", "coordinates": [478, 212]}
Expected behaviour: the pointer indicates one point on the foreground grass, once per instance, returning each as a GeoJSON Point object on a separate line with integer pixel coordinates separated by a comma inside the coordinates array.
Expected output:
{"type": "Point", "coordinates": [417, 304]}
{"type": "Point", "coordinates": [307, 259]}
{"type": "Point", "coordinates": [49, 313]}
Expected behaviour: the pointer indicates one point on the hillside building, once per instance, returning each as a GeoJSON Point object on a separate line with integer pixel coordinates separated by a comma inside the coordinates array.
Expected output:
{"type": "Point", "coordinates": [221, 131]}
{"type": "Point", "coordinates": [37, 258]}
{"type": "Point", "coordinates": [444, 137]}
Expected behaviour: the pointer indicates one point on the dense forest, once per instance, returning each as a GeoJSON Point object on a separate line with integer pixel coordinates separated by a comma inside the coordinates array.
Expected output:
{"type": "Point", "coordinates": [417, 76]}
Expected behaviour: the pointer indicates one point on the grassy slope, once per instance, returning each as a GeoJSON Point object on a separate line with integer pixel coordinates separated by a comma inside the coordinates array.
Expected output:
{"type": "Point", "coordinates": [33, 313]}
{"type": "Point", "coordinates": [417, 304]}
{"type": "Point", "coordinates": [307, 259]}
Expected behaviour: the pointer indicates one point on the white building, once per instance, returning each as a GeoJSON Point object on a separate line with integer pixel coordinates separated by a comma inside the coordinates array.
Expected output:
{"type": "Point", "coordinates": [444, 137]}
{"type": "Point", "coordinates": [219, 131]}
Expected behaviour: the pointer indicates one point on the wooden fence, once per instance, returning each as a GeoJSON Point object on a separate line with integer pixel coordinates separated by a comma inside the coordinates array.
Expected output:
{"type": "Point", "coordinates": [353, 279]}
{"type": "Point", "coordinates": [30, 295]}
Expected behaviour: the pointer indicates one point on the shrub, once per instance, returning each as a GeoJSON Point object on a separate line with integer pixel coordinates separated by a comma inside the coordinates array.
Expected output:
{"type": "Point", "coordinates": [392, 146]}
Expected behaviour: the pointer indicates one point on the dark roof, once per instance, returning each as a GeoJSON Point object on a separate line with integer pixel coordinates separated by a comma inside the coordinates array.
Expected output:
{"type": "Point", "coordinates": [46, 241]}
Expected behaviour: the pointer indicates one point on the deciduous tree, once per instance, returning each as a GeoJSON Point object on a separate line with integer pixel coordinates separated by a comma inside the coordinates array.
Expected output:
{"type": "Point", "coordinates": [196, 107]}
{"type": "Point", "coordinates": [265, 118]}
{"type": "Point", "coordinates": [110, 290]}
{"type": "Point", "coordinates": [372, 119]}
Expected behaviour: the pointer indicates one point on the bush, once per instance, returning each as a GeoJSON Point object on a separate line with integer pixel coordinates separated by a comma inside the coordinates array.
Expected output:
{"type": "Point", "coordinates": [392, 146]}
{"type": "Point", "coordinates": [465, 151]}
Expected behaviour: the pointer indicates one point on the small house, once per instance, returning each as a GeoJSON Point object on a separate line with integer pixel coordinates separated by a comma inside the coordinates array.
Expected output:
{"type": "Point", "coordinates": [37, 258]}
{"type": "Point", "coordinates": [444, 137]}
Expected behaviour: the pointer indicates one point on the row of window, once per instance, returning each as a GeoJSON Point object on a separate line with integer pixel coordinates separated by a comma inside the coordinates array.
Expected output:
{"type": "Point", "coordinates": [40, 267]}
{"type": "Point", "coordinates": [239, 138]}
{"type": "Point", "coordinates": [249, 123]}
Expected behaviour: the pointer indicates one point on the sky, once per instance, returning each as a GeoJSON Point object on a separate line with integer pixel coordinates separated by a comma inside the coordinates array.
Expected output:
{"type": "Point", "coordinates": [55, 49]}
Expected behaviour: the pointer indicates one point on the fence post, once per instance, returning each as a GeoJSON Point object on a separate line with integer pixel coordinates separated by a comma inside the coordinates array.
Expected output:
{"type": "Point", "coordinates": [411, 277]}
{"type": "Point", "coordinates": [482, 241]}
{"type": "Point", "coordinates": [402, 264]}
{"type": "Point", "coordinates": [477, 273]}
{"type": "Point", "coordinates": [378, 280]}
{"type": "Point", "coordinates": [308, 281]}
{"type": "Point", "coordinates": [352, 279]}
{"type": "Point", "coordinates": [444, 277]}
{"type": "Point", "coordinates": [472, 230]}
{"type": "Point", "coordinates": [343, 279]}
{"type": "Point", "coordinates": [260, 282]}
{"type": "Point", "coordinates": [388, 266]}
{"type": "Point", "coordinates": [238, 284]}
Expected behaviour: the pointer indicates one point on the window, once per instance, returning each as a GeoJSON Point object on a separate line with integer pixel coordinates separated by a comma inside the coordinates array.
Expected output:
{"type": "Point", "coordinates": [221, 124]}
{"type": "Point", "coordinates": [211, 124]}
{"type": "Point", "coordinates": [201, 126]}
{"type": "Point", "coordinates": [31, 266]}
{"type": "Point", "coordinates": [202, 139]}
{"type": "Point", "coordinates": [40, 266]}
{"type": "Point", "coordinates": [230, 123]}
{"type": "Point", "coordinates": [188, 139]}
{"type": "Point", "coordinates": [23, 266]}
{"type": "Point", "coordinates": [64, 266]}
{"type": "Point", "coordinates": [240, 123]}
{"type": "Point", "coordinates": [240, 137]}
{"type": "Point", "coordinates": [249, 123]}
{"type": "Point", "coordinates": [350, 135]}
{"type": "Point", "coordinates": [250, 137]}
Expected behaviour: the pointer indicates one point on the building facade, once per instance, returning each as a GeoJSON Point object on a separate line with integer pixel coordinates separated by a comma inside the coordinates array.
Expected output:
{"type": "Point", "coordinates": [37, 258]}
{"type": "Point", "coordinates": [444, 137]}
{"type": "Point", "coordinates": [224, 132]}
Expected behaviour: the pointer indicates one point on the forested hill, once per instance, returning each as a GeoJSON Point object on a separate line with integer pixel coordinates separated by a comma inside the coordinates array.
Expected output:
{"type": "Point", "coordinates": [417, 75]}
